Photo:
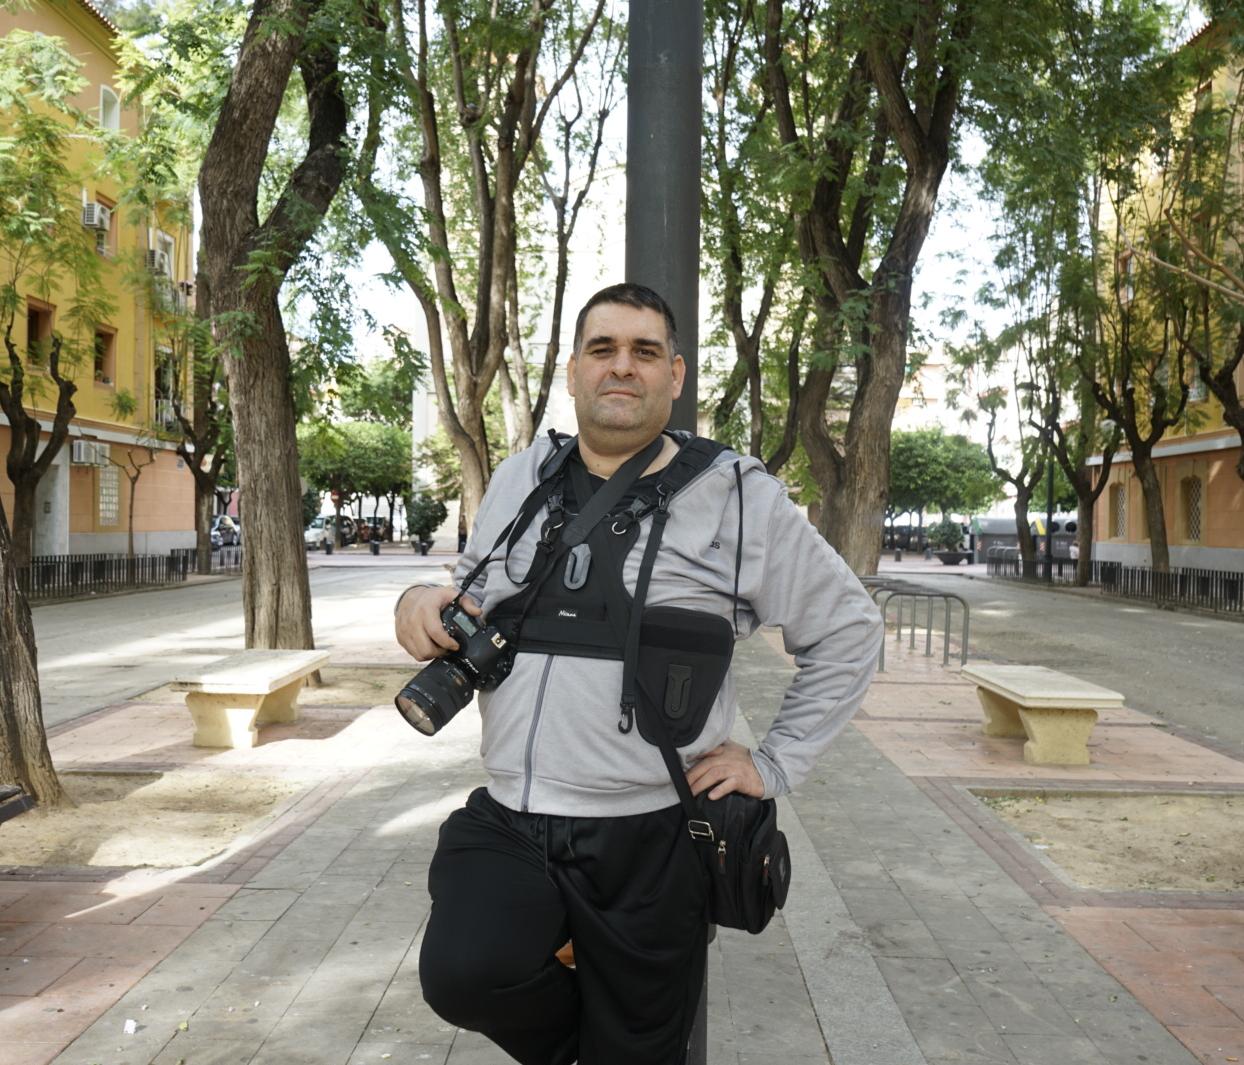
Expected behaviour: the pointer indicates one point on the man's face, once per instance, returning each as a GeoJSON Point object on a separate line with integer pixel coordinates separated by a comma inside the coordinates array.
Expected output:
{"type": "Point", "coordinates": [622, 378]}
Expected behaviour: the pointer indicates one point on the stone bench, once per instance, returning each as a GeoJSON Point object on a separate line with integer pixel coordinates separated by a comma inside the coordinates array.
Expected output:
{"type": "Point", "coordinates": [230, 698]}
{"type": "Point", "coordinates": [1055, 711]}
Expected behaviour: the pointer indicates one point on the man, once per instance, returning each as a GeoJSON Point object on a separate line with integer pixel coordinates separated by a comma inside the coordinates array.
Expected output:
{"type": "Point", "coordinates": [579, 836]}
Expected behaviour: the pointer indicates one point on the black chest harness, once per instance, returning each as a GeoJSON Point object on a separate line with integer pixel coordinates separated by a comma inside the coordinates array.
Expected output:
{"type": "Point", "coordinates": [573, 599]}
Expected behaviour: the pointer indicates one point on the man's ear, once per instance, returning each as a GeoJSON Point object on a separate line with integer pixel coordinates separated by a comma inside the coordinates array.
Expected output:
{"type": "Point", "coordinates": [571, 367]}
{"type": "Point", "coordinates": [679, 371]}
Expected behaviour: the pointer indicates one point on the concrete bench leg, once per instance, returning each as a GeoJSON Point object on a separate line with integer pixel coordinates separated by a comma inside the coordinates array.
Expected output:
{"type": "Point", "coordinates": [1057, 737]}
{"type": "Point", "coordinates": [1001, 715]}
{"type": "Point", "coordinates": [281, 705]}
{"type": "Point", "coordinates": [223, 720]}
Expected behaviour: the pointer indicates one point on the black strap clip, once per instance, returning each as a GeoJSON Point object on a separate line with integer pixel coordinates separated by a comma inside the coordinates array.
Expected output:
{"type": "Point", "coordinates": [627, 721]}
{"type": "Point", "coordinates": [555, 520]}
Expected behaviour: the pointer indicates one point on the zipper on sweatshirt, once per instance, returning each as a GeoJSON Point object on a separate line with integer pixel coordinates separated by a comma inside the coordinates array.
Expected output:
{"type": "Point", "coordinates": [529, 755]}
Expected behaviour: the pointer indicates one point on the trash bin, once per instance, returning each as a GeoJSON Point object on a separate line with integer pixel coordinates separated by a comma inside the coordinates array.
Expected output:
{"type": "Point", "coordinates": [375, 546]}
{"type": "Point", "coordinates": [328, 547]}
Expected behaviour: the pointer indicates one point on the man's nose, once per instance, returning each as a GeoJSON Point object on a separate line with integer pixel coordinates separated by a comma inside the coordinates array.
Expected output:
{"type": "Point", "coordinates": [623, 364]}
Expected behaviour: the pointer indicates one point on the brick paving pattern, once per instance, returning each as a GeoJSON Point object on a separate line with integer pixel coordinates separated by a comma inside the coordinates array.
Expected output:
{"type": "Point", "coordinates": [919, 930]}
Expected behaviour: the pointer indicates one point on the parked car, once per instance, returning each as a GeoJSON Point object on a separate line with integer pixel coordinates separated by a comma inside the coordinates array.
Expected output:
{"type": "Point", "coordinates": [228, 529]}
{"type": "Point", "coordinates": [320, 531]}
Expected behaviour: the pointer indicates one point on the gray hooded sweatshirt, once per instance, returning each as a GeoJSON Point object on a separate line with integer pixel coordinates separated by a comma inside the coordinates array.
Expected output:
{"type": "Point", "coordinates": [550, 738]}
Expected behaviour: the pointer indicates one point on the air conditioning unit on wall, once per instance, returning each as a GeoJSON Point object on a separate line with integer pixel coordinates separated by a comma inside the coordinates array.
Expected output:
{"type": "Point", "coordinates": [89, 453]}
{"type": "Point", "coordinates": [158, 263]}
{"type": "Point", "coordinates": [96, 216]}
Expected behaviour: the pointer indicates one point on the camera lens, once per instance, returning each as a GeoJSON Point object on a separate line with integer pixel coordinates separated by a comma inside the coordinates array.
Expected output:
{"type": "Point", "coordinates": [434, 696]}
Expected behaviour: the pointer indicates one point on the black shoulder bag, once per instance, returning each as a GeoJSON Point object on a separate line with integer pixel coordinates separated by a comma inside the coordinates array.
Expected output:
{"type": "Point", "coordinates": [675, 662]}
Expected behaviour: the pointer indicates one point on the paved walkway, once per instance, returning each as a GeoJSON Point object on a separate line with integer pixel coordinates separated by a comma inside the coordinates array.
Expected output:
{"type": "Point", "coordinates": [919, 930]}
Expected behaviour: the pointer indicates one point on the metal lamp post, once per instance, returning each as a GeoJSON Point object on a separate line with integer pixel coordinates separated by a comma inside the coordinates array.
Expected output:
{"type": "Point", "coordinates": [665, 70]}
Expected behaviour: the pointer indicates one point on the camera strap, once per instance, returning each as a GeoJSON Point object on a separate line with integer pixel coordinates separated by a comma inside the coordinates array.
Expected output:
{"type": "Point", "coordinates": [556, 537]}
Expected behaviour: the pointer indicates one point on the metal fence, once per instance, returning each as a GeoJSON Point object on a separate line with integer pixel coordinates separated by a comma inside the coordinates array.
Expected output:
{"type": "Point", "coordinates": [1206, 589]}
{"type": "Point", "coordinates": [66, 576]}
{"type": "Point", "coordinates": [224, 559]}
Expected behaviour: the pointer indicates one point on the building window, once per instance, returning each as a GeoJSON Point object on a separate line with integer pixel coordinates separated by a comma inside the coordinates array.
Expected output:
{"type": "Point", "coordinates": [1196, 388]}
{"type": "Point", "coordinates": [109, 496]}
{"type": "Point", "coordinates": [1118, 512]}
{"type": "Point", "coordinates": [1191, 496]}
{"type": "Point", "coordinates": [167, 388]}
{"type": "Point", "coordinates": [109, 109]}
{"type": "Point", "coordinates": [38, 332]}
{"type": "Point", "coordinates": [105, 357]}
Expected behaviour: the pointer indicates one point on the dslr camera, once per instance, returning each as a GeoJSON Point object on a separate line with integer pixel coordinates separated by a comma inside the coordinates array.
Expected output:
{"type": "Point", "coordinates": [438, 691]}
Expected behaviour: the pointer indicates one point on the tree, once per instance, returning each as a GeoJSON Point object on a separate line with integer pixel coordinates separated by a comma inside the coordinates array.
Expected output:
{"type": "Point", "coordinates": [24, 756]}
{"type": "Point", "coordinates": [325, 463]}
{"type": "Point", "coordinates": [478, 69]}
{"type": "Point", "coordinates": [137, 458]}
{"type": "Point", "coordinates": [176, 60]}
{"type": "Point", "coordinates": [355, 459]}
{"type": "Point", "coordinates": [884, 94]}
{"type": "Point", "coordinates": [1064, 148]}
{"type": "Point", "coordinates": [380, 391]}
{"type": "Point", "coordinates": [44, 248]}
{"type": "Point", "coordinates": [932, 470]}
{"type": "Point", "coordinates": [749, 240]}
{"type": "Point", "coordinates": [1206, 281]}
{"type": "Point", "coordinates": [242, 263]}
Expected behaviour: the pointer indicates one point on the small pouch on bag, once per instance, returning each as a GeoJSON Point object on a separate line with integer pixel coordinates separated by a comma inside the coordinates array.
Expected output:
{"type": "Point", "coordinates": [748, 861]}
{"type": "Point", "coordinates": [683, 658]}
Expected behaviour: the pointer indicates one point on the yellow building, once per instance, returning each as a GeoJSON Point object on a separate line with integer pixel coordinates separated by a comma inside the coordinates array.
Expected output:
{"type": "Point", "coordinates": [83, 500]}
{"type": "Point", "coordinates": [1202, 495]}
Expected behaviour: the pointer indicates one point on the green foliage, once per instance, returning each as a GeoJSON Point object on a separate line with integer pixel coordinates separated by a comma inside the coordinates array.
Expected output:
{"type": "Point", "coordinates": [381, 391]}
{"type": "Point", "coordinates": [310, 506]}
{"type": "Point", "coordinates": [44, 247]}
{"type": "Point", "coordinates": [355, 458]}
{"type": "Point", "coordinates": [424, 515]}
{"type": "Point", "coordinates": [947, 534]}
{"type": "Point", "coordinates": [930, 470]}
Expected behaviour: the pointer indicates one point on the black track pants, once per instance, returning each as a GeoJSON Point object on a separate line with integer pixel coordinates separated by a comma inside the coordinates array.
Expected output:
{"type": "Point", "coordinates": [509, 889]}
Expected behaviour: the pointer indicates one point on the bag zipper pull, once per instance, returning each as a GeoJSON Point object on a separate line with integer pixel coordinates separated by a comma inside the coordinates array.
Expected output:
{"type": "Point", "coordinates": [764, 874]}
{"type": "Point", "coordinates": [721, 856]}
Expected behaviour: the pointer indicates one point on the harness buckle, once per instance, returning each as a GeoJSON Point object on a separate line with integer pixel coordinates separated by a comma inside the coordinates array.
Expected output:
{"type": "Point", "coordinates": [700, 830]}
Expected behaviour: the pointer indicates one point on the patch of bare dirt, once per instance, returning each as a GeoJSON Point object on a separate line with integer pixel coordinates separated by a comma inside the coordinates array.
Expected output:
{"type": "Point", "coordinates": [1135, 842]}
{"type": "Point", "coordinates": [170, 820]}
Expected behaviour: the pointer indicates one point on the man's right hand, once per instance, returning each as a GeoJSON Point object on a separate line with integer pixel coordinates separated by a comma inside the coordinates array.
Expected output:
{"type": "Point", "coordinates": [417, 623]}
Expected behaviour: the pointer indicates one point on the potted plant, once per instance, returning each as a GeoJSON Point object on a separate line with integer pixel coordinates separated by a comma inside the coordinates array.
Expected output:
{"type": "Point", "coordinates": [424, 515]}
{"type": "Point", "coordinates": [948, 535]}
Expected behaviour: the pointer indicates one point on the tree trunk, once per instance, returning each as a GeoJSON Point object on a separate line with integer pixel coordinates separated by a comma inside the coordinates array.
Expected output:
{"type": "Point", "coordinates": [24, 756]}
{"type": "Point", "coordinates": [1159, 551]}
{"type": "Point", "coordinates": [1023, 529]}
{"type": "Point", "coordinates": [1084, 537]}
{"type": "Point", "coordinates": [203, 499]}
{"type": "Point", "coordinates": [276, 592]}
{"type": "Point", "coordinates": [855, 510]}
{"type": "Point", "coordinates": [242, 264]}
{"type": "Point", "coordinates": [24, 520]}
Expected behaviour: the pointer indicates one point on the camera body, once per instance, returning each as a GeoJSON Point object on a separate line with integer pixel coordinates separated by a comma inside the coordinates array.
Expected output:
{"type": "Point", "coordinates": [438, 691]}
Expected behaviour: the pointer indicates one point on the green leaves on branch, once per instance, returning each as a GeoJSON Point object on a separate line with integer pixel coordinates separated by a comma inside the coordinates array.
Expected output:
{"type": "Point", "coordinates": [931, 470]}
{"type": "Point", "coordinates": [355, 458]}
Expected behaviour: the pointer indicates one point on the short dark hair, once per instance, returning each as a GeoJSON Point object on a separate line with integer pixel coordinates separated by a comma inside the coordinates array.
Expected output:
{"type": "Point", "coordinates": [631, 295]}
